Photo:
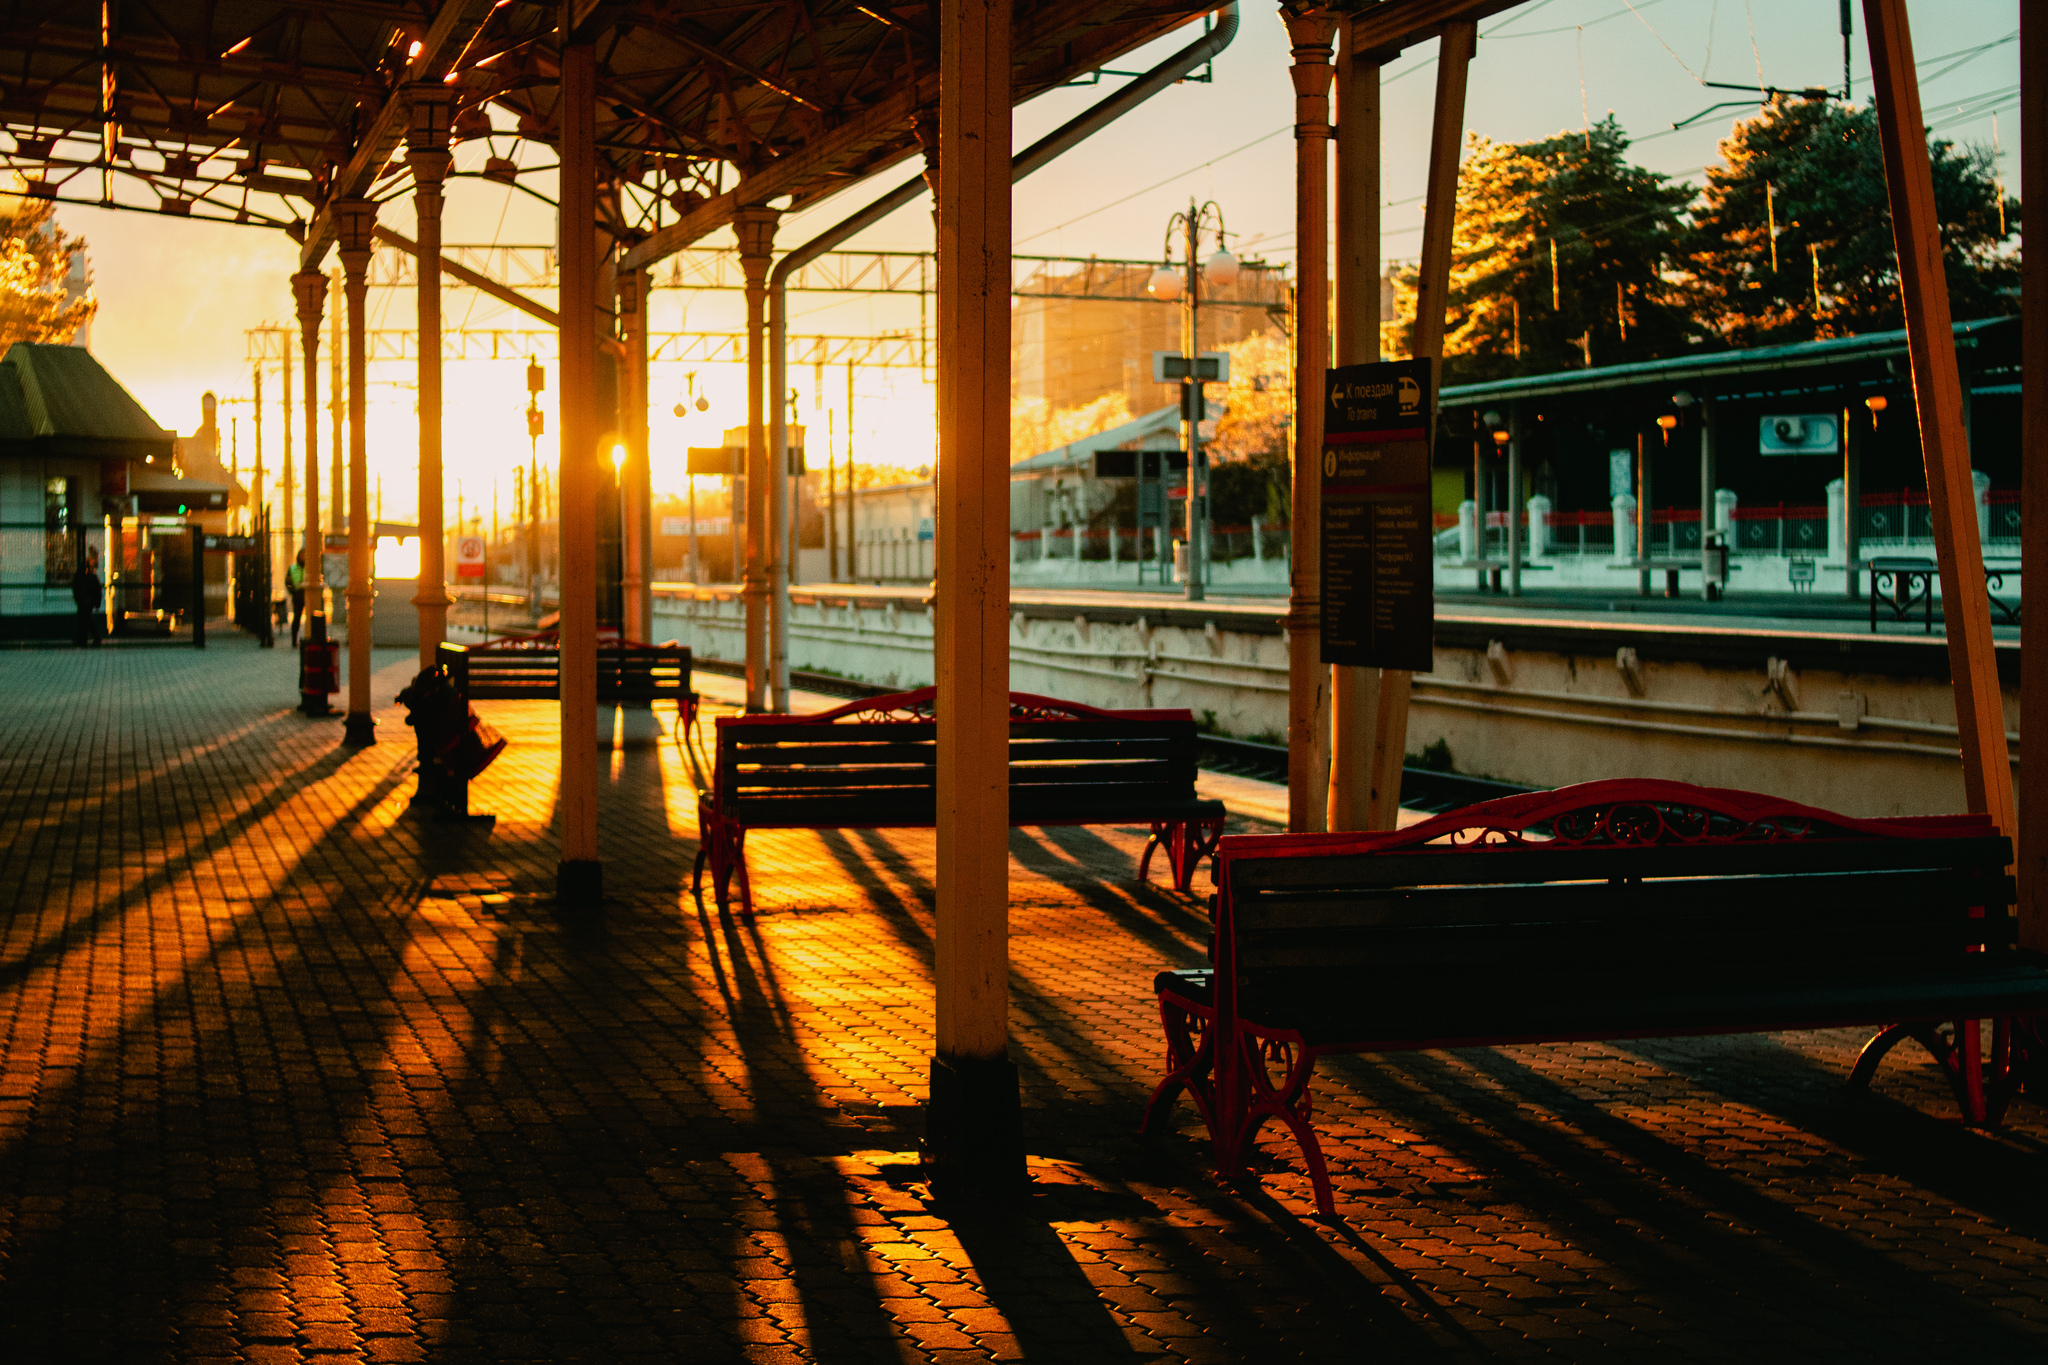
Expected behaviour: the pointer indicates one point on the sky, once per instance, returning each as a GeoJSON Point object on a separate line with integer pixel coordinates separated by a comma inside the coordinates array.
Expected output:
{"type": "Point", "coordinates": [177, 297]}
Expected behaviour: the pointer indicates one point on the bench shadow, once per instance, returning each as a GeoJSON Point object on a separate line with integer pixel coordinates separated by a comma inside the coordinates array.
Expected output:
{"type": "Point", "coordinates": [1694, 1236]}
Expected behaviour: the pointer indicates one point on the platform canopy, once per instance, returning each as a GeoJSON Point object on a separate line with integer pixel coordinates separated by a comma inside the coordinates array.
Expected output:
{"type": "Point", "coordinates": [267, 112]}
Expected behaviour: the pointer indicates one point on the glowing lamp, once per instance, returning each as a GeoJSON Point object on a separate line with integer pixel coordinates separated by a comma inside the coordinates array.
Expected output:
{"type": "Point", "coordinates": [618, 459]}
{"type": "Point", "coordinates": [1164, 284]}
{"type": "Point", "coordinates": [1876, 402]}
{"type": "Point", "coordinates": [1500, 436]}
{"type": "Point", "coordinates": [397, 557]}
{"type": "Point", "coordinates": [1221, 269]}
{"type": "Point", "coordinates": [1667, 421]}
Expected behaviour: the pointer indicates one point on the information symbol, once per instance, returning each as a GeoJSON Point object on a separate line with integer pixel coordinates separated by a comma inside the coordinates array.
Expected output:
{"type": "Point", "coordinates": [1329, 462]}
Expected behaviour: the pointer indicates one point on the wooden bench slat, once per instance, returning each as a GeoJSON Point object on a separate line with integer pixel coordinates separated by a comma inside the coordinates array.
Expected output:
{"type": "Point", "coordinates": [1844, 896]}
{"type": "Point", "coordinates": [1547, 949]}
{"type": "Point", "coordinates": [1537, 864]}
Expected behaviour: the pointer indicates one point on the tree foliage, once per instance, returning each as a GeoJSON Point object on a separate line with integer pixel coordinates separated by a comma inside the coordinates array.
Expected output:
{"type": "Point", "coordinates": [1836, 270]}
{"type": "Point", "coordinates": [1561, 256]}
{"type": "Point", "coordinates": [1646, 267]}
{"type": "Point", "coordinates": [35, 258]}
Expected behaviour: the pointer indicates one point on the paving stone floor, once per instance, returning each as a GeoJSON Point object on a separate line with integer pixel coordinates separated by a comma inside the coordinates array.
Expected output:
{"type": "Point", "coordinates": [288, 1075]}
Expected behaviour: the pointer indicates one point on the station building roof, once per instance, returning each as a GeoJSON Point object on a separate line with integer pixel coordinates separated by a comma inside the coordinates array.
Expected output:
{"type": "Point", "coordinates": [1719, 368]}
{"type": "Point", "coordinates": [59, 400]}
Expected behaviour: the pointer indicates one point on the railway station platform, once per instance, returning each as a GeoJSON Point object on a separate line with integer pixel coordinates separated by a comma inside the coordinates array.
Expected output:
{"type": "Point", "coordinates": [289, 1076]}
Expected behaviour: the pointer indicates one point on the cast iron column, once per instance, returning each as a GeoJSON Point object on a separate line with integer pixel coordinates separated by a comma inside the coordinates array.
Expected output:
{"type": "Point", "coordinates": [426, 152]}
{"type": "Point", "coordinates": [755, 228]}
{"type": "Point", "coordinates": [356, 221]}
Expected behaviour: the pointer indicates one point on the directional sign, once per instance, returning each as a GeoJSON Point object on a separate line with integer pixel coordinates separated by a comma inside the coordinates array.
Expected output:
{"type": "Point", "coordinates": [232, 544]}
{"type": "Point", "coordinates": [469, 557]}
{"type": "Point", "coordinates": [1378, 599]}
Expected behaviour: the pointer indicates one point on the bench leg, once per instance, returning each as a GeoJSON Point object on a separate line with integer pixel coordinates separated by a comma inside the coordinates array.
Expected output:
{"type": "Point", "coordinates": [1261, 1055]}
{"type": "Point", "coordinates": [1159, 828]}
{"type": "Point", "coordinates": [1959, 1058]}
{"type": "Point", "coordinates": [1196, 841]}
{"type": "Point", "coordinates": [1190, 1060]}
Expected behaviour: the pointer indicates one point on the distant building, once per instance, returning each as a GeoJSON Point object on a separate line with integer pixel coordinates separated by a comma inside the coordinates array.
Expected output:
{"type": "Point", "coordinates": [80, 460]}
{"type": "Point", "coordinates": [1081, 330]}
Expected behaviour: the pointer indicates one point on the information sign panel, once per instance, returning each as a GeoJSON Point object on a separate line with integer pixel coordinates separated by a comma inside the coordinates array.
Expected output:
{"type": "Point", "coordinates": [469, 557]}
{"type": "Point", "coordinates": [1378, 599]}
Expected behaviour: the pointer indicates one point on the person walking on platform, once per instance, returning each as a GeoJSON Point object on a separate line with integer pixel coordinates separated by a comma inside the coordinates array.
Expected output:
{"type": "Point", "coordinates": [88, 595]}
{"type": "Point", "coordinates": [295, 584]}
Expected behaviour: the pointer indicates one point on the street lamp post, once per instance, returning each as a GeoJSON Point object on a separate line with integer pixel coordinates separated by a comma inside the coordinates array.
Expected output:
{"type": "Point", "coordinates": [1220, 270]}
{"type": "Point", "coordinates": [536, 426]}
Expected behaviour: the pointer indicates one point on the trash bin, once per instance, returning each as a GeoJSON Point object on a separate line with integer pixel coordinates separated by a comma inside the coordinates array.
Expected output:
{"type": "Point", "coordinates": [455, 744]}
{"type": "Point", "coordinates": [319, 675]}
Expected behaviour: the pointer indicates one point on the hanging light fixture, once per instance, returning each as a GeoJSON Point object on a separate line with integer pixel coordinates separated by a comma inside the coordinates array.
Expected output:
{"type": "Point", "coordinates": [1165, 284]}
{"type": "Point", "coordinates": [1221, 269]}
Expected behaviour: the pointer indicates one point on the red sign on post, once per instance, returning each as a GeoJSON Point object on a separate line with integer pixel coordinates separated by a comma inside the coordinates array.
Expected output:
{"type": "Point", "coordinates": [469, 557]}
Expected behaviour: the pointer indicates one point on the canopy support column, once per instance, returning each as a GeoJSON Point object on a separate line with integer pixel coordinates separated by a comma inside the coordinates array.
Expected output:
{"type": "Point", "coordinates": [1354, 692]}
{"type": "Point", "coordinates": [1432, 296]}
{"type": "Point", "coordinates": [1937, 392]}
{"type": "Point", "coordinates": [426, 152]}
{"type": "Point", "coordinates": [755, 229]}
{"type": "Point", "coordinates": [2033, 778]}
{"type": "Point", "coordinates": [356, 221]}
{"type": "Point", "coordinates": [635, 485]}
{"type": "Point", "coordinates": [579, 880]}
{"type": "Point", "coordinates": [309, 291]}
{"type": "Point", "coordinates": [1309, 31]}
{"type": "Point", "coordinates": [974, 1127]}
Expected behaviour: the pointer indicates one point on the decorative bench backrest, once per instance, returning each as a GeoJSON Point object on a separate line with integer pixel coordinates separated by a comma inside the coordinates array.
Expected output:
{"type": "Point", "coordinates": [875, 762]}
{"type": "Point", "coordinates": [1602, 878]}
{"type": "Point", "coordinates": [528, 668]}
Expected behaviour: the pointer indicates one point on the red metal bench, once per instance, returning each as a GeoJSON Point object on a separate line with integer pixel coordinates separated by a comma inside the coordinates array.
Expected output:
{"type": "Point", "coordinates": [1607, 910]}
{"type": "Point", "coordinates": [873, 765]}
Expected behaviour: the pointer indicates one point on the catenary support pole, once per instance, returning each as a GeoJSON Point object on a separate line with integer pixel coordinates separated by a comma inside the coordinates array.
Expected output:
{"type": "Point", "coordinates": [1856, 420]}
{"type": "Point", "coordinates": [309, 290]}
{"type": "Point", "coordinates": [355, 223]}
{"type": "Point", "coordinates": [1354, 692]}
{"type": "Point", "coordinates": [755, 229]}
{"type": "Point", "coordinates": [1937, 392]}
{"type": "Point", "coordinates": [1309, 31]}
{"type": "Point", "coordinates": [1432, 293]}
{"type": "Point", "coordinates": [2033, 778]}
{"type": "Point", "coordinates": [1517, 504]}
{"type": "Point", "coordinates": [579, 881]}
{"type": "Point", "coordinates": [974, 1129]}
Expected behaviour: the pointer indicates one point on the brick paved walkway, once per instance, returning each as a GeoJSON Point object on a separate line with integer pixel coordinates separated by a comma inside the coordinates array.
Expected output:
{"type": "Point", "coordinates": [289, 1076]}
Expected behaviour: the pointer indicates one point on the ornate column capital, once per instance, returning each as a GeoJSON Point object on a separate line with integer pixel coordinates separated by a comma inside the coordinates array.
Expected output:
{"type": "Point", "coordinates": [1310, 31]}
{"type": "Point", "coordinates": [309, 291]}
{"type": "Point", "coordinates": [755, 228]}
{"type": "Point", "coordinates": [355, 223]}
{"type": "Point", "coordinates": [431, 106]}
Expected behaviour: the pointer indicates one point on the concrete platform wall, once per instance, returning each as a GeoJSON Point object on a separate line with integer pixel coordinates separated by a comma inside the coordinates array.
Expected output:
{"type": "Point", "coordinates": [1866, 730]}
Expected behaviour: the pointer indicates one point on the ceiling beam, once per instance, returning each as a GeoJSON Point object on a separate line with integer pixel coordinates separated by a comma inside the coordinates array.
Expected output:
{"type": "Point", "coordinates": [1392, 25]}
{"type": "Point", "coordinates": [455, 26]}
{"type": "Point", "coordinates": [475, 279]}
{"type": "Point", "coordinates": [787, 174]}
{"type": "Point", "coordinates": [841, 147]}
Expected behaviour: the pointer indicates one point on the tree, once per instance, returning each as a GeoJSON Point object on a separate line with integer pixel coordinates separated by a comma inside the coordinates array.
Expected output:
{"type": "Point", "coordinates": [1249, 454]}
{"type": "Point", "coordinates": [35, 260]}
{"type": "Point", "coordinates": [1814, 170]}
{"type": "Point", "coordinates": [1562, 255]}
